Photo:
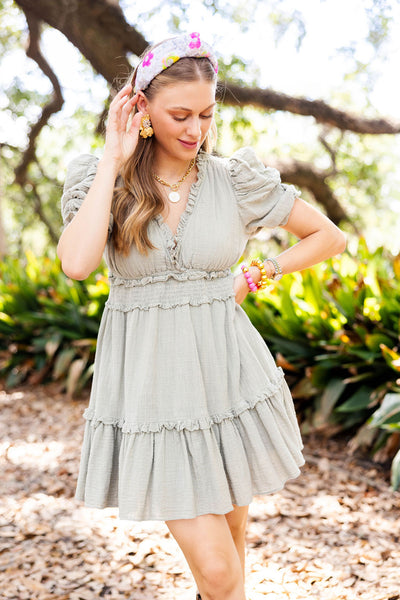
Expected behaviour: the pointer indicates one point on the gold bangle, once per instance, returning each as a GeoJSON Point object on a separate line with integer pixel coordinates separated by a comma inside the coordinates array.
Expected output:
{"type": "Point", "coordinates": [257, 262]}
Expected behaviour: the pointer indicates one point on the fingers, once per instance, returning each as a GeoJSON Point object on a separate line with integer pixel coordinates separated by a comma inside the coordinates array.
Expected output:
{"type": "Point", "coordinates": [124, 91]}
{"type": "Point", "coordinates": [121, 107]}
{"type": "Point", "coordinates": [124, 110]}
{"type": "Point", "coordinates": [122, 103]}
{"type": "Point", "coordinates": [135, 124]}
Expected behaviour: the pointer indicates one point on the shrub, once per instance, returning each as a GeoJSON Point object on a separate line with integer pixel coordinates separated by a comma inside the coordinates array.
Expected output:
{"type": "Point", "coordinates": [48, 322]}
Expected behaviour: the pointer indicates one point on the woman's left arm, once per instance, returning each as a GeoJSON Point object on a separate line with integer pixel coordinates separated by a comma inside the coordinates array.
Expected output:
{"type": "Point", "coordinates": [319, 240]}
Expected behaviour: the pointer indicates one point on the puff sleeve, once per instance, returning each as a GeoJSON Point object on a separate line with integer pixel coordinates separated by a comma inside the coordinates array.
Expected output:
{"type": "Point", "coordinates": [80, 174]}
{"type": "Point", "coordinates": [263, 200]}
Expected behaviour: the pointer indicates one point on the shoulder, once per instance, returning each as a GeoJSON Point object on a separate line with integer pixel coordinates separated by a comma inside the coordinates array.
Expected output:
{"type": "Point", "coordinates": [262, 198]}
{"type": "Point", "coordinates": [79, 169]}
{"type": "Point", "coordinates": [246, 171]}
{"type": "Point", "coordinates": [243, 161]}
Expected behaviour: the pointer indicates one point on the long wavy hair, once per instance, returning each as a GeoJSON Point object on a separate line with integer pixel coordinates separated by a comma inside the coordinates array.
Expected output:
{"type": "Point", "coordinates": [137, 200]}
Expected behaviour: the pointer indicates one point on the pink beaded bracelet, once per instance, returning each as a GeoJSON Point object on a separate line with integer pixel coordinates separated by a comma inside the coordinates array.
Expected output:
{"type": "Point", "coordinates": [249, 279]}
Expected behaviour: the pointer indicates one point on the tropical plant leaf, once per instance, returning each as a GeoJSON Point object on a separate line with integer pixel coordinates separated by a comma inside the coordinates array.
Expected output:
{"type": "Point", "coordinates": [329, 398]}
{"type": "Point", "coordinates": [388, 412]}
{"type": "Point", "coordinates": [395, 472]}
{"type": "Point", "coordinates": [360, 400]}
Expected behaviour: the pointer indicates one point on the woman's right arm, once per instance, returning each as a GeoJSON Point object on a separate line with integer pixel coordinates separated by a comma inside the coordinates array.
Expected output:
{"type": "Point", "coordinates": [81, 245]}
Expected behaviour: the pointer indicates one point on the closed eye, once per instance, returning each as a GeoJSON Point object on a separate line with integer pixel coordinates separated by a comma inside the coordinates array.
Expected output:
{"type": "Point", "coordinates": [184, 118]}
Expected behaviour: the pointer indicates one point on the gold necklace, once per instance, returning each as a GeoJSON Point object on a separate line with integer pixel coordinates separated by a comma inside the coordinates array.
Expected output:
{"type": "Point", "coordinates": [174, 194]}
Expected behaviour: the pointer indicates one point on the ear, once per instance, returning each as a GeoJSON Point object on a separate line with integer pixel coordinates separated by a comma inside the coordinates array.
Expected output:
{"type": "Point", "coordinates": [142, 103]}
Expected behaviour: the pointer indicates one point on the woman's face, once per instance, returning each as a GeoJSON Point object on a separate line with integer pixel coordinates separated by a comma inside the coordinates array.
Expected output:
{"type": "Point", "coordinates": [181, 116]}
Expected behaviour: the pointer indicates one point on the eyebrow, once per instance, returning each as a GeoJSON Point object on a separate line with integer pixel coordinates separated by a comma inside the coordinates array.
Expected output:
{"type": "Point", "coordinates": [189, 110]}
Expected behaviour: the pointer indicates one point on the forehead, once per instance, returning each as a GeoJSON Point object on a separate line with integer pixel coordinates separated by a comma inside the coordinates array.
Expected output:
{"type": "Point", "coordinates": [194, 95]}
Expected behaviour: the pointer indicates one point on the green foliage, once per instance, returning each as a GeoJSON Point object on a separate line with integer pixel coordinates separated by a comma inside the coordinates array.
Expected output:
{"type": "Point", "coordinates": [283, 21]}
{"type": "Point", "coordinates": [11, 26]}
{"type": "Point", "coordinates": [48, 322]}
{"type": "Point", "coordinates": [387, 417]}
{"type": "Point", "coordinates": [24, 207]}
{"type": "Point", "coordinates": [235, 70]}
{"type": "Point", "coordinates": [335, 328]}
{"type": "Point", "coordinates": [236, 128]}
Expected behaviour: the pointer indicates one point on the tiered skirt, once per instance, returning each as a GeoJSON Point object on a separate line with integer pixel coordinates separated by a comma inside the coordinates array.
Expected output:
{"type": "Point", "coordinates": [188, 412]}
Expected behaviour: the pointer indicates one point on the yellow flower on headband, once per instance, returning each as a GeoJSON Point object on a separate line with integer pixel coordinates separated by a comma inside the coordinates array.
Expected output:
{"type": "Point", "coordinates": [169, 60]}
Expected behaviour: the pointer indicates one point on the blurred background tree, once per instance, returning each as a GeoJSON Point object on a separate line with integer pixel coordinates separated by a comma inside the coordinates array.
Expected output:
{"type": "Point", "coordinates": [340, 151]}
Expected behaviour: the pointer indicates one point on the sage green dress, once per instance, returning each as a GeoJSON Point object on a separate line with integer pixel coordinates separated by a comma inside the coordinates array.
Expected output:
{"type": "Point", "coordinates": [188, 412]}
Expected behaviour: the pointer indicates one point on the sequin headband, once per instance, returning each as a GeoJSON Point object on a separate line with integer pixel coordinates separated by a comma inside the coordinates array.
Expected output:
{"type": "Point", "coordinates": [167, 53]}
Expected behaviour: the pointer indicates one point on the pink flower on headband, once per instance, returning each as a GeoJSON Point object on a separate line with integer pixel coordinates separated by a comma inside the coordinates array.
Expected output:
{"type": "Point", "coordinates": [196, 43]}
{"type": "Point", "coordinates": [147, 59]}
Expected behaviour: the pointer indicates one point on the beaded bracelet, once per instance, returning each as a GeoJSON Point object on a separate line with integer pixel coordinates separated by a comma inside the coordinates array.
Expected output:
{"type": "Point", "coordinates": [249, 278]}
{"type": "Point", "coordinates": [257, 262]}
{"type": "Point", "coordinates": [278, 271]}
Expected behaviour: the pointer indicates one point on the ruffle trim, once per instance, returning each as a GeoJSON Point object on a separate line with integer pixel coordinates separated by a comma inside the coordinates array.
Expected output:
{"type": "Point", "coordinates": [249, 174]}
{"type": "Point", "coordinates": [72, 201]}
{"type": "Point", "coordinates": [193, 424]}
{"type": "Point", "coordinates": [185, 275]}
{"type": "Point", "coordinates": [72, 206]}
{"type": "Point", "coordinates": [174, 240]}
{"type": "Point", "coordinates": [82, 171]}
{"type": "Point", "coordinates": [263, 199]}
{"type": "Point", "coordinates": [181, 302]}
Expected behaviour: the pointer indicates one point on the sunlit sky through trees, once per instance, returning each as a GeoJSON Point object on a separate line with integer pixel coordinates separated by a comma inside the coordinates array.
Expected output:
{"type": "Point", "coordinates": [311, 63]}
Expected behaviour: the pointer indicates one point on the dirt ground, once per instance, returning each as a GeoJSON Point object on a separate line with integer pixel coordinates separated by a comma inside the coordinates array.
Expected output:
{"type": "Point", "coordinates": [333, 533]}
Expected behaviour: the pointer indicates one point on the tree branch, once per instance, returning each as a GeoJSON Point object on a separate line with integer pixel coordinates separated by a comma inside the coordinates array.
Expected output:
{"type": "Point", "coordinates": [33, 51]}
{"type": "Point", "coordinates": [40, 212]}
{"type": "Point", "coordinates": [323, 113]}
{"type": "Point", "coordinates": [331, 151]}
{"type": "Point", "coordinates": [55, 104]}
{"type": "Point", "coordinates": [97, 28]}
{"type": "Point", "coordinates": [306, 176]}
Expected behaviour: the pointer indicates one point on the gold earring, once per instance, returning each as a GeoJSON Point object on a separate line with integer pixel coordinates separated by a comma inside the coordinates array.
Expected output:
{"type": "Point", "coordinates": [146, 129]}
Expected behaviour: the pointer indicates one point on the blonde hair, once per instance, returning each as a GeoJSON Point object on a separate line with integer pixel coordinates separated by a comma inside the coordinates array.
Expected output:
{"type": "Point", "coordinates": [139, 200]}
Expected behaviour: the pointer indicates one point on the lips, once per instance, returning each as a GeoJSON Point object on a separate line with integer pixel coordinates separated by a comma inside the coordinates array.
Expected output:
{"type": "Point", "coordinates": [189, 145]}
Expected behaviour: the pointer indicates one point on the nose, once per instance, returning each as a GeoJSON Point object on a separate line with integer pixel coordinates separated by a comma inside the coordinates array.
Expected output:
{"type": "Point", "coordinates": [194, 128]}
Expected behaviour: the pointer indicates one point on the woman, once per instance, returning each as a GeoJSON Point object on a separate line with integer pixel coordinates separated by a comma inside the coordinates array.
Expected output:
{"type": "Point", "coordinates": [189, 416]}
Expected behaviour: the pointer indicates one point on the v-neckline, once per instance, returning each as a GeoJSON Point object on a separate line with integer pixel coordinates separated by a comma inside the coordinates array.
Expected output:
{"type": "Point", "coordinates": [174, 237]}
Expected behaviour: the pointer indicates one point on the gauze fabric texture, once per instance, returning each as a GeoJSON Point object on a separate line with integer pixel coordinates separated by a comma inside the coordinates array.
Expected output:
{"type": "Point", "coordinates": [188, 412]}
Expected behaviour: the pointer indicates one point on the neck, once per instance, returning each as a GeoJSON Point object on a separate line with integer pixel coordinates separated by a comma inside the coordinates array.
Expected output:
{"type": "Point", "coordinates": [169, 168]}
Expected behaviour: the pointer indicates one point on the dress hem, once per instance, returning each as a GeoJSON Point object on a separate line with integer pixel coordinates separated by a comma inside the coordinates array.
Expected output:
{"type": "Point", "coordinates": [132, 517]}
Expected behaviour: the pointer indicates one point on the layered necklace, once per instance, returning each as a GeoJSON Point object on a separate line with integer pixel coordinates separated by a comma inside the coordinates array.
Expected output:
{"type": "Point", "coordinates": [174, 195]}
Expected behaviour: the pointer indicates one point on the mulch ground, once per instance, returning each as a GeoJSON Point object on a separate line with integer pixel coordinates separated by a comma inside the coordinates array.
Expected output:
{"type": "Point", "coordinates": [333, 533]}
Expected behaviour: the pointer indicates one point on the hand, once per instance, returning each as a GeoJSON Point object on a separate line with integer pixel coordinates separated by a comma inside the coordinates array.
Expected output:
{"type": "Point", "coordinates": [240, 285]}
{"type": "Point", "coordinates": [240, 288]}
{"type": "Point", "coordinates": [120, 142]}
